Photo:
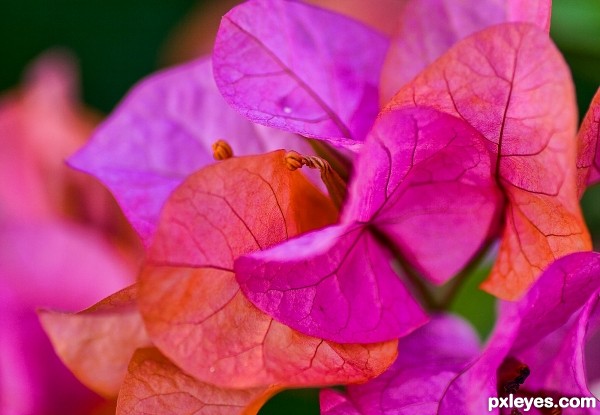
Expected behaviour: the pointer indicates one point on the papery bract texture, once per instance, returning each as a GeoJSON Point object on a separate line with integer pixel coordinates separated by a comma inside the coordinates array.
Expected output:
{"type": "Point", "coordinates": [154, 385]}
{"type": "Point", "coordinates": [588, 156]}
{"type": "Point", "coordinates": [97, 344]}
{"type": "Point", "coordinates": [240, 345]}
{"type": "Point", "coordinates": [238, 206]}
{"type": "Point", "coordinates": [420, 175]}
{"type": "Point", "coordinates": [161, 133]}
{"type": "Point", "coordinates": [546, 330]}
{"type": "Point", "coordinates": [505, 81]}
{"type": "Point", "coordinates": [299, 68]}
{"type": "Point", "coordinates": [427, 360]}
{"type": "Point", "coordinates": [337, 283]}
{"type": "Point", "coordinates": [428, 28]}
{"type": "Point", "coordinates": [192, 303]}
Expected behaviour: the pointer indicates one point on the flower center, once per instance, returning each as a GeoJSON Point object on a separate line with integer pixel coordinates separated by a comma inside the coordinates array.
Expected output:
{"type": "Point", "coordinates": [511, 376]}
{"type": "Point", "coordinates": [512, 373]}
{"type": "Point", "coordinates": [335, 185]}
{"type": "Point", "coordinates": [221, 150]}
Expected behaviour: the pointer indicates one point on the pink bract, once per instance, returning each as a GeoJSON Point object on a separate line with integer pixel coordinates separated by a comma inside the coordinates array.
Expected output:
{"type": "Point", "coordinates": [428, 359]}
{"type": "Point", "coordinates": [546, 330]}
{"type": "Point", "coordinates": [504, 81]}
{"type": "Point", "coordinates": [428, 28]}
{"type": "Point", "coordinates": [300, 69]}
{"type": "Point", "coordinates": [440, 371]}
{"type": "Point", "coordinates": [338, 283]}
{"type": "Point", "coordinates": [161, 133]}
{"type": "Point", "coordinates": [192, 303]}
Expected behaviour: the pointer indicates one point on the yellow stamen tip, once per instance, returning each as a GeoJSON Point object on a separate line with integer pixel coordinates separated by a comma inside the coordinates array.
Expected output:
{"type": "Point", "coordinates": [293, 160]}
{"type": "Point", "coordinates": [221, 150]}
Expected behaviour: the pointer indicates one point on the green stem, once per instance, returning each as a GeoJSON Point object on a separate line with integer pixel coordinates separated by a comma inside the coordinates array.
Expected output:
{"type": "Point", "coordinates": [459, 280]}
{"type": "Point", "coordinates": [337, 160]}
{"type": "Point", "coordinates": [418, 282]}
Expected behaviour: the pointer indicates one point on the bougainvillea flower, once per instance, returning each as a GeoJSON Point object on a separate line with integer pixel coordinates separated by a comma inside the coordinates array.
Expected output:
{"type": "Point", "coordinates": [301, 69]}
{"type": "Point", "coordinates": [161, 133]}
{"type": "Point", "coordinates": [541, 212]}
{"type": "Point", "coordinates": [192, 305]}
{"type": "Point", "coordinates": [544, 333]}
{"type": "Point", "coordinates": [428, 359]}
{"type": "Point", "coordinates": [504, 81]}
{"type": "Point", "coordinates": [191, 301]}
{"type": "Point", "coordinates": [107, 347]}
{"type": "Point", "coordinates": [155, 385]}
{"type": "Point", "coordinates": [97, 344]}
{"type": "Point", "coordinates": [588, 157]}
{"type": "Point", "coordinates": [428, 28]}
{"type": "Point", "coordinates": [338, 283]}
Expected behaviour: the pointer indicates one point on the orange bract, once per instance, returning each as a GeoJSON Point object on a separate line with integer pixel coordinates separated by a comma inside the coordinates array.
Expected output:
{"type": "Point", "coordinates": [205, 324]}
{"type": "Point", "coordinates": [155, 385]}
{"type": "Point", "coordinates": [192, 304]}
{"type": "Point", "coordinates": [588, 157]}
{"type": "Point", "coordinates": [234, 207]}
{"type": "Point", "coordinates": [96, 344]}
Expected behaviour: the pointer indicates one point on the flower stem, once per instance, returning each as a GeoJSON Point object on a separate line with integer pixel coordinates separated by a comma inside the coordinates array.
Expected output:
{"type": "Point", "coordinates": [459, 280]}
{"type": "Point", "coordinates": [337, 160]}
{"type": "Point", "coordinates": [416, 281]}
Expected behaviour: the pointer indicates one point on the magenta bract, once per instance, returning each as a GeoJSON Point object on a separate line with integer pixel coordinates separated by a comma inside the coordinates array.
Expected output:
{"type": "Point", "coordinates": [428, 28]}
{"type": "Point", "coordinates": [299, 68]}
{"type": "Point", "coordinates": [161, 133]}
{"type": "Point", "coordinates": [546, 330]}
{"type": "Point", "coordinates": [427, 360]}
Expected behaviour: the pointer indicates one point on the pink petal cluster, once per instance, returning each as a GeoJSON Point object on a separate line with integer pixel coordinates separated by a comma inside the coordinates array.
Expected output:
{"type": "Point", "coordinates": [253, 282]}
{"type": "Point", "coordinates": [344, 273]}
{"type": "Point", "coordinates": [161, 133]}
{"type": "Point", "coordinates": [552, 331]}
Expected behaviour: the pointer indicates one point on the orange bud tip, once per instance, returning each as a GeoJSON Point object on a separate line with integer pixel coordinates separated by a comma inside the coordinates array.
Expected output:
{"type": "Point", "coordinates": [293, 160]}
{"type": "Point", "coordinates": [221, 150]}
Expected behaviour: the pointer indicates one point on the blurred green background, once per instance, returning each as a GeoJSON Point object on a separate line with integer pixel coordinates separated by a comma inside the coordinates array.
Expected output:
{"type": "Point", "coordinates": [117, 42]}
